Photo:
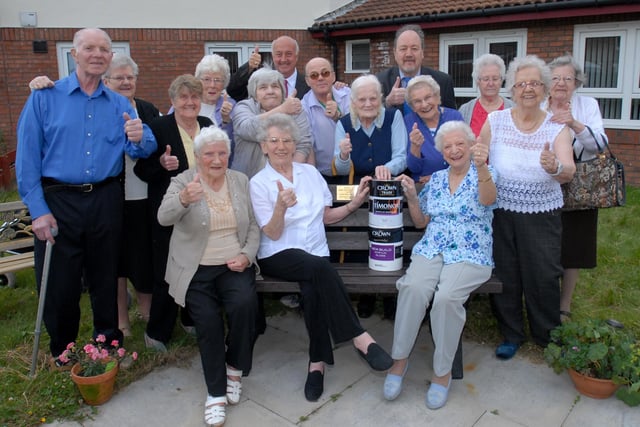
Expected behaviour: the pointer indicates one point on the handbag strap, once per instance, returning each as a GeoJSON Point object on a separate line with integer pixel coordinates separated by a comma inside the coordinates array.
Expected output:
{"type": "Point", "coordinates": [604, 142]}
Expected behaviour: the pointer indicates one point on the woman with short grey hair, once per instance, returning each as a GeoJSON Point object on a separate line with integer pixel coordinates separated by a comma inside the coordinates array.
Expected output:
{"type": "Point", "coordinates": [489, 74]}
{"type": "Point", "coordinates": [266, 97]}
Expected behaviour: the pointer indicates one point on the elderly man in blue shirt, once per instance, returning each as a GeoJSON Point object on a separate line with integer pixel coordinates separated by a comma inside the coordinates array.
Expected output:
{"type": "Point", "coordinates": [71, 141]}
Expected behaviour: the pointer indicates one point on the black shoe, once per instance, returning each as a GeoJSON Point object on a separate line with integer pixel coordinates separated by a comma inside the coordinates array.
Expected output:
{"type": "Point", "coordinates": [314, 386]}
{"type": "Point", "coordinates": [376, 357]}
{"type": "Point", "coordinates": [366, 305]}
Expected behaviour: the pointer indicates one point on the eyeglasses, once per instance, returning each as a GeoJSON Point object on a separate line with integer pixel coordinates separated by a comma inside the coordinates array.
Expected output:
{"type": "Point", "coordinates": [535, 84]}
{"type": "Point", "coordinates": [314, 75]}
{"type": "Point", "coordinates": [215, 81]}
{"type": "Point", "coordinates": [490, 79]}
{"type": "Point", "coordinates": [567, 79]}
{"type": "Point", "coordinates": [285, 141]}
{"type": "Point", "coordinates": [121, 79]}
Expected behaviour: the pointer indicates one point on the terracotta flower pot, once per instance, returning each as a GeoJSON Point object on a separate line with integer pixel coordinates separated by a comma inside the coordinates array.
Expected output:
{"type": "Point", "coordinates": [593, 387]}
{"type": "Point", "coordinates": [95, 390]}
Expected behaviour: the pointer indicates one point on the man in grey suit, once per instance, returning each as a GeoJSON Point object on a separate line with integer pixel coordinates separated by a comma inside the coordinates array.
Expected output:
{"type": "Point", "coordinates": [408, 51]}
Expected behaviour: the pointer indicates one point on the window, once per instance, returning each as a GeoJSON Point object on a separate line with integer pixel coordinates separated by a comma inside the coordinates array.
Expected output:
{"type": "Point", "coordinates": [238, 53]}
{"type": "Point", "coordinates": [458, 51]}
{"type": "Point", "coordinates": [607, 52]}
{"type": "Point", "coordinates": [358, 57]}
{"type": "Point", "coordinates": [66, 64]}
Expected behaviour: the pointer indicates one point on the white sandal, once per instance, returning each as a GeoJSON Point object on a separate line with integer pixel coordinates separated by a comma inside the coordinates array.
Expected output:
{"type": "Point", "coordinates": [214, 412]}
{"type": "Point", "coordinates": [234, 388]}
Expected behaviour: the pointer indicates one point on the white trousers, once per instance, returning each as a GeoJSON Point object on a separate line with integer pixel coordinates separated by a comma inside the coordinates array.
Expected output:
{"type": "Point", "coordinates": [450, 286]}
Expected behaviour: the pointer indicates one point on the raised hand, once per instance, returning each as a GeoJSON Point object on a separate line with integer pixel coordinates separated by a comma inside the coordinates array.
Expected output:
{"type": "Point", "coordinates": [564, 116]}
{"type": "Point", "coordinates": [396, 96]}
{"type": "Point", "coordinates": [291, 105]}
{"type": "Point", "coordinates": [225, 109]}
{"type": "Point", "coordinates": [479, 153]}
{"type": "Point", "coordinates": [548, 159]}
{"type": "Point", "coordinates": [255, 59]}
{"type": "Point", "coordinates": [345, 147]}
{"type": "Point", "coordinates": [286, 197]}
{"type": "Point", "coordinates": [193, 192]}
{"type": "Point", "coordinates": [408, 186]}
{"type": "Point", "coordinates": [331, 107]}
{"type": "Point", "coordinates": [417, 139]}
{"type": "Point", "coordinates": [132, 127]}
{"type": "Point", "coordinates": [168, 161]}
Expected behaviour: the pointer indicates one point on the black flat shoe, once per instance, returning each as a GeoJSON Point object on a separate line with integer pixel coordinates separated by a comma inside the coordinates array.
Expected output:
{"type": "Point", "coordinates": [314, 386]}
{"type": "Point", "coordinates": [376, 357]}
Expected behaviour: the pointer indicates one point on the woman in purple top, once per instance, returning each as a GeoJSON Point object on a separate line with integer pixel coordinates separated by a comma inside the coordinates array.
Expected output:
{"type": "Point", "coordinates": [423, 96]}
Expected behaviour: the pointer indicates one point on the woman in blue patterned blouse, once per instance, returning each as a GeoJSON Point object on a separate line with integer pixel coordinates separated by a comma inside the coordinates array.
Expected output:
{"type": "Point", "coordinates": [451, 260]}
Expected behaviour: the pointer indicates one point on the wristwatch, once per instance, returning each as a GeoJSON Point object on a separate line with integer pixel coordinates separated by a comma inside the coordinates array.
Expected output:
{"type": "Point", "coordinates": [559, 170]}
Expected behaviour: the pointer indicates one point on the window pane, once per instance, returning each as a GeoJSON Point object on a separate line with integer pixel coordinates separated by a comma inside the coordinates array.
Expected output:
{"type": "Point", "coordinates": [360, 56]}
{"type": "Point", "coordinates": [635, 109]}
{"type": "Point", "coordinates": [507, 51]}
{"type": "Point", "coordinates": [461, 64]}
{"type": "Point", "coordinates": [232, 57]}
{"type": "Point", "coordinates": [611, 108]}
{"type": "Point", "coordinates": [601, 62]}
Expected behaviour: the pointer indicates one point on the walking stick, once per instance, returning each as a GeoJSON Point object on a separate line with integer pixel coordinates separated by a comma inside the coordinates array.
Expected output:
{"type": "Point", "coordinates": [43, 296]}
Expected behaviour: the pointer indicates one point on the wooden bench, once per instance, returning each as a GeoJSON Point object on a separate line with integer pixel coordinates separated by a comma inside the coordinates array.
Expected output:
{"type": "Point", "coordinates": [352, 235]}
{"type": "Point", "coordinates": [16, 241]}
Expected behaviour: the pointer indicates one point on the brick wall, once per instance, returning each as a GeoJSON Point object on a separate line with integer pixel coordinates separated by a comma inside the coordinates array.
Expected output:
{"type": "Point", "coordinates": [162, 54]}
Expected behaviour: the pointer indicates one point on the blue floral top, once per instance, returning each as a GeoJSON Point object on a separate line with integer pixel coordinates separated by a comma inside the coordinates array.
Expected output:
{"type": "Point", "coordinates": [459, 226]}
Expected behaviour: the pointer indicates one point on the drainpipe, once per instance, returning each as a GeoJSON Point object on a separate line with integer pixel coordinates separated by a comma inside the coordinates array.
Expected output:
{"type": "Point", "coordinates": [334, 50]}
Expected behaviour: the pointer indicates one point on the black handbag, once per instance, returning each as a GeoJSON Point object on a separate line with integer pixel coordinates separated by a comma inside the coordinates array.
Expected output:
{"type": "Point", "coordinates": [597, 183]}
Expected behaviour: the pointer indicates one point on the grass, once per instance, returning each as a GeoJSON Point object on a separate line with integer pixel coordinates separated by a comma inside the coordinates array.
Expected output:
{"type": "Point", "coordinates": [612, 290]}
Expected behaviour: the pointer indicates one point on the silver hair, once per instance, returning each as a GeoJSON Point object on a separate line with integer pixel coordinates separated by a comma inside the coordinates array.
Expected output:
{"type": "Point", "coordinates": [264, 75]}
{"type": "Point", "coordinates": [282, 121]}
{"type": "Point", "coordinates": [77, 37]}
{"type": "Point", "coordinates": [485, 60]}
{"type": "Point", "coordinates": [121, 60]}
{"type": "Point", "coordinates": [569, 60]}
{"type": "Point", "coordinates": [529, 61]}
{"type": "Point", "coordinates": [291, 39]}
{"type": "Point", "coordinates": [421, 81]}
{"type": "Point", "coordinates": [214, 64]}
{"type": "Point", "coordinates": [410, 27]}
{"type": "Point", "coordinates": [210, 135]}
{"type": "Point", "coordinates": [357, 84]}
{"type": "Point", "coordinates": [454, 126]}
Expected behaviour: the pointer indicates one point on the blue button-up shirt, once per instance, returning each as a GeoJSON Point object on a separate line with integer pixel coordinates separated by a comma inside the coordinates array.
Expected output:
{"type": "Point", "coordinates": [76, 138]}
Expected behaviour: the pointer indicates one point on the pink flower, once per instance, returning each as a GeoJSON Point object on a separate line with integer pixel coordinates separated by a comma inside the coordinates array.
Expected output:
{"type": "Point", "coordinates": [64, 358]}
{"type": "Point", "coordinates": [121, 352]}
{"type": "Point", "coordinates": [101, 338]}
{"type": "Point", "coordinates": [115, 343]}
{"type": "Point", "coordinates": [70, 345]}
{"type": "Point", "coordinates": [134, 355]}
{"type": "Point", "coordinates": [89, 348]}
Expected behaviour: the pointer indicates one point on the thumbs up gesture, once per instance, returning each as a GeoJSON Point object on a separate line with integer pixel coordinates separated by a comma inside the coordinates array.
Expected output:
{"type": "Point", "coordinates": [225, 109]}
{"type": "Point", "coordinates": [193, 192]}
{"type": "Point", "coordinates": [345, 147]}
{"type": "Point", "coordinates": [291, 104]}
{"type": "Point", "coordinates": [331, 107]}
{"type": "Point", "coordinates": [132, 127]}
{"type": "Point", "coordinates": [548, 159]}
{"type": "Point", "coordinates": [255, 59]}
{"type": "Point", "coordinates": [168, 161]}
{"type": "Point", "coordinates": [286, 197]}
{"type": "Point", "coordinates": [396, 95]}
{"type": "Point", "coordinates": [417, 139]}
{"type": "Point", "coordinates": [479, 153]}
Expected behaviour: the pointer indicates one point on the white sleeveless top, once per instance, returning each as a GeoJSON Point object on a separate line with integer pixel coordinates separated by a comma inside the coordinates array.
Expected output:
{"type": "Point", "coordinates": [523, 185]}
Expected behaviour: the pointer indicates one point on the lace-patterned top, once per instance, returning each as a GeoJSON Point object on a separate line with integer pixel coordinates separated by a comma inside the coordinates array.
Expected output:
{"type": "Point", "coordinates": [523, 186]}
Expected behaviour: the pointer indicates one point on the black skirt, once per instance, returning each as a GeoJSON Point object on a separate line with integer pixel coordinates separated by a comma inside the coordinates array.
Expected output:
{"type": "Point", "coordinates": [579, 238]}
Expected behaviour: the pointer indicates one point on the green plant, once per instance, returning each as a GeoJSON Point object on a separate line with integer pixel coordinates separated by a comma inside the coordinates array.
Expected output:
{"type": "Point", "coordinates": [591, 347]}
{"type": "Point", "coordinates": [97, 357]}
{"type": "Point", "coordinates": [629, 377]}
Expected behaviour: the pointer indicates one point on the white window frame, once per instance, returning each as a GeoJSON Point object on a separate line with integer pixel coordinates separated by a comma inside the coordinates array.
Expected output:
{"type": "Point", "coordinates": [627, 88]}
{"type": "Point", "coordinates": [243, 49]}
{"type": "Point", "coordinates": [349, 58]}
{"type": "Point", "coordinates": [63, 50]}
{"type": "Point", "coordinates": [481, 42]}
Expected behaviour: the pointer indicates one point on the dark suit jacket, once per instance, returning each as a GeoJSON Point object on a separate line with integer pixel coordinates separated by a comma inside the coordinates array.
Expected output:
{"type": "Point", "coordinates": [165, 129]}
{"type": "Point", "coordinates": [146, 110]}
{"type": "Point", "coordinates": [237, 88]}
{"type": "Point", "coordinates": [388, 78]}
